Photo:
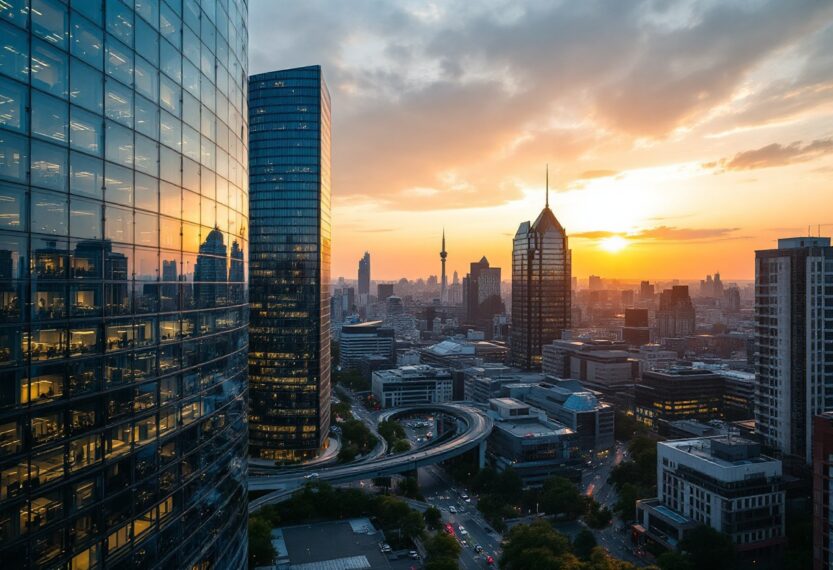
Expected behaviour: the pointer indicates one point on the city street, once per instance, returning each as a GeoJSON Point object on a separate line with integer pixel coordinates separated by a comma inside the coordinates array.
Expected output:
{"type": "Point", "coordinates": [438, 490]}
{"type": "Point", "coordinates": [594, 483]}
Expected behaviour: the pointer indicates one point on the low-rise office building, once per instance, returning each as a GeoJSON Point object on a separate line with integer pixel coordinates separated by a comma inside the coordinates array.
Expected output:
{"type": "Point", "coordinates": [569, 403]}
{"type": "Point", "coordinates": [361, 340]}
{"type": "Point", "coordinates": [460, 354]}
{"type": "Point", "coordinates": [602, 363]}
{"type": "Point", "coordinates": [407, 385]}
{"type": "Point", "coordinates": [488, 380]}
{"type": "Point", "coordinates": [535, 447]}
{"type": "Point", "coordinates": [722, 482]}
{"type": "Point", "coordinates": [678, 394]}
{"type": "Point", "coordinates": [655, 357]}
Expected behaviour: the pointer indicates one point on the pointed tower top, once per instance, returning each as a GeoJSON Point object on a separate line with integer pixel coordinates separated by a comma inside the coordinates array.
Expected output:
{"type": "Point", "coordinates": [547, 203]}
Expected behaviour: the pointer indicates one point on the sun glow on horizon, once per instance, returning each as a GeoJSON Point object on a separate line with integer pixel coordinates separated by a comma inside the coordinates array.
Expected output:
{"type": "Point", "coordinates": [613, 244]}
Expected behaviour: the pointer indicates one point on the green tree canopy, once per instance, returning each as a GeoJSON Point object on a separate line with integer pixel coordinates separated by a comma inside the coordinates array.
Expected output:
{"type": "Point", "coordinates": [561, 497]}
{"type": "Point", "coordinates": [709, 548]}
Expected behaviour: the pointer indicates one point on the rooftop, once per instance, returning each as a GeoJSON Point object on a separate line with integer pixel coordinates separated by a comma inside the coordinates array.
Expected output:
{"type": "Point", "coordinates": [722, 451]}
{"type": "Point", "coordinates": [529, 429]}
{"type": "Point", "coordinates": [413, 372]}
{"type": "Point", "coordinates": [451, 348]}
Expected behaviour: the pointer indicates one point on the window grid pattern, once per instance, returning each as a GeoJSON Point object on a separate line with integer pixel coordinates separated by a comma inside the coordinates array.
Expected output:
{"type": "Point", "coordinates": [123, 270]}
{"type": "Point", "coordinates": [289, 358]}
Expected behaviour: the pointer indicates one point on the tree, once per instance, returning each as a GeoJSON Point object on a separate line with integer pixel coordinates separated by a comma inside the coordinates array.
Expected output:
{"type": "Point", "coordinates": [561, 497]}
{"type": "Point", "coordinates": [673, 560]}
{"type": "Point", "coordinates": [391, 430]}
{"type": "Point", "coordinates": [597, 516]}
{"type": "Point", "coordinates": [601, 560]}
{"type": "Point", "coordinates": [261, 551]}
{"type": "Point", "coordinates": [537, 545]}
{"type": "Point", "coordinates": [442, 564]}
{"type": "Point", "coordinates": [443, 550]}
{"type": "Point", "coordinates": [433, 518]}
{"type": "Point", "coordinates": [709, 548]}
{"type": "Point", "coordinates": [625, 426]}
{"type": "Point", "coordinates": [509, 486]}
{"type": "Point", "coordinates": [584, 543]}
{"type": "Point", "coordinates": [409, 487]}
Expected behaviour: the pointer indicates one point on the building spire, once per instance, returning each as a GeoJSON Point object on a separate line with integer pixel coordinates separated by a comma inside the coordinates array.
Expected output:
{"type": "Point", "coordinates": [547, 203]}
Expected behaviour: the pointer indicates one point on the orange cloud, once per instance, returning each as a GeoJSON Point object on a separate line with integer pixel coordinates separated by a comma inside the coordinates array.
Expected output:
{"type": "Point", "coordinates": [775, 155]}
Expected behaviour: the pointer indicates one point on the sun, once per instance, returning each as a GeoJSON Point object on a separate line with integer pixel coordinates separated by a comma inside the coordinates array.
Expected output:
{"type": "Point", "coordinates": [613, 244]}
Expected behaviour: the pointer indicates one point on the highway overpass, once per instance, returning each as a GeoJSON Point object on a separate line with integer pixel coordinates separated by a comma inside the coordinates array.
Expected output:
{"type": "Point", "coordinates": [476, 427]}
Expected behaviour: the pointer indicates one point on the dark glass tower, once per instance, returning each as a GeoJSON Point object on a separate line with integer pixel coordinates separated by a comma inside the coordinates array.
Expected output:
{"type": "Point", "coordinates": [541, 270]}
{"type": "Point", "coordinates": [123, 177]}
{"type": "Point", "coordinates": [289, 361]}
{"type": "Point", "coordinates": [364, 276]}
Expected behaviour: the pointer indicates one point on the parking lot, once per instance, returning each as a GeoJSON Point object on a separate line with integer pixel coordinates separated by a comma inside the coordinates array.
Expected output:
{"type": "Point", "coordinates": [334, 540]}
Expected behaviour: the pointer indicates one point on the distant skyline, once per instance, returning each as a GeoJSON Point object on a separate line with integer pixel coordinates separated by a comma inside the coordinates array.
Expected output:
{"type": "Point", "coordinates": [681, 137]}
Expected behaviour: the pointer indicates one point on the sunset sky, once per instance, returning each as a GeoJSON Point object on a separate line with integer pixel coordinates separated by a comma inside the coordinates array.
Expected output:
{"type": "Point", "coordinates": [680, 136]}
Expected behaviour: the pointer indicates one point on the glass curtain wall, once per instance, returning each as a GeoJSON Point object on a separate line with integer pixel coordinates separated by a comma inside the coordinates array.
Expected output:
{"type": "Point", "coordinates": [123, 252]}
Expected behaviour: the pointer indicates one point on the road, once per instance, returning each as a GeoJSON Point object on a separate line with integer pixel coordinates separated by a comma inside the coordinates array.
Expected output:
{"type": "Point", "coordinates": [440, 492]}
{"type": "Point", "coordinates": [476, 428]}
{"type": "Point", "coordinates": [594, 482]}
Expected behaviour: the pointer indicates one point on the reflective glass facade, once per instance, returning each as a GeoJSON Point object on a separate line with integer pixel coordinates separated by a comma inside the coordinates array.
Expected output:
{"type": "Point", "coordinates": [123, 242]}
{"type": "Point", "coordinates": [289, 358]}
{"type": "Point", "coordinates": [541, 270]}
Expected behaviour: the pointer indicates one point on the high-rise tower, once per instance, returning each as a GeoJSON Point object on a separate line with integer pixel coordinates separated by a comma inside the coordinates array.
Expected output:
{"type": "Point", "coordinates": [123, 151]}
{"type": "Point", "coordinates": [444, 279]}
{"type": "Point", "coordinates": [541, 270]}
{"type": "Point", "coordinates": [289, 357]}
{"type": "Point", "coordinates": [793, 293]}
{"type": "Point", "coordinates": [364, 276]}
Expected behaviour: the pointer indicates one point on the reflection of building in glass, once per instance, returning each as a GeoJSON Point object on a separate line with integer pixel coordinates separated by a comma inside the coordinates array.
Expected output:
{"type": "Point", "coordinates": [289, 360]}
{"type": "Point", "coordinates": [541, 268]}
{"type": "Point", "coordinates": [122, 417]}
{"type": "Point", "coordinates": [210, 271]}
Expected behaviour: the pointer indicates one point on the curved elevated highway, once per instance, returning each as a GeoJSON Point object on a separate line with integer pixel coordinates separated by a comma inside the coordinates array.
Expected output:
{"type": "Point", "coordinates": [476, 428]}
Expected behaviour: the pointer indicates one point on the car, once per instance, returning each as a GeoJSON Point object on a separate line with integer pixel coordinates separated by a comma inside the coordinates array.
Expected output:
{"type": "Point", "coordinates": [452, 510]}
{"type": "Point", "coordinates": [478, 549]}
{"type": "Point", "coordinates": [490, 560]}
{"type": "Point", "coordinates": [467, 499]}
{"type": "Point", "coordinates": [311, 476]}
{"type": "Point", "coordinates": [464, 496]}
{"type": "Point", "coordinates": [414, 554]}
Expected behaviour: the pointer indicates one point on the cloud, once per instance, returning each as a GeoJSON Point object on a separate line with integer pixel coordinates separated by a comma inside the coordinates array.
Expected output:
{"type": "Point", "coordinates": [665, 234]}
{"type": "Point", "coordinates": [774, 154]}
{"type": "Point", "coordinates": [590, 174]}
{"type": "Point", "coordinates": [470, 99]}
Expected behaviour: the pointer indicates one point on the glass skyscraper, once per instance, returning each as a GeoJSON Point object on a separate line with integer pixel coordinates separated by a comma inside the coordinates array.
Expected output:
{"type": "Point", "coordinates": [123, 239]}
{"type": "Point", "coordinates": [289, 358]}
{"type": "Point", "coordinates": [541, 269]}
